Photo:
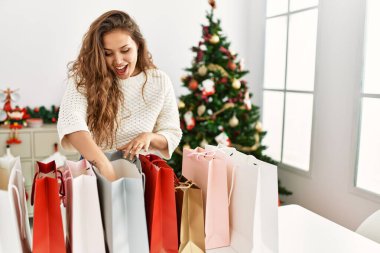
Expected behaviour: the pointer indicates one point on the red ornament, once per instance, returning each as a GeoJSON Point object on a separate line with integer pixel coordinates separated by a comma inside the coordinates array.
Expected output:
{"type": "Point", "coordinates": [223, 80]}
{"type": "Point", "coordinates": [193, 84]}
{"type": "Point", "coordinates": [36, 109]}
{"type": "Point", "coordinates": [53, 120]}
{"type": "Point", "coordinates": [231, 65]}
{"type": "Point", "coordinates": [200, 55]}
{"type": "Point", "coordinates": [225, 51]}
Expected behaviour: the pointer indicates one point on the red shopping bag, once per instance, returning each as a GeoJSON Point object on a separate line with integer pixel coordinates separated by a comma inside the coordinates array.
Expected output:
{"type": "Point", "coordinates": [160, 204]}
{"type": "Point", "coordinates": [47, 223]}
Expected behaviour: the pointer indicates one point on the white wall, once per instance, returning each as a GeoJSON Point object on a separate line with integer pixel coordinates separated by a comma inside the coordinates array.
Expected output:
{"type": "Point", "coordinates": [39, 38]}
{"type": "Point", "coordinates": [329, 189]}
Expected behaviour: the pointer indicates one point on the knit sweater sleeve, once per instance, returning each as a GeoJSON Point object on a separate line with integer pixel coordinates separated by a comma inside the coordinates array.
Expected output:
{"type": "Point", "coordinates": [167, 123]}
{"type": "Point", "coordinates": [72, 114]}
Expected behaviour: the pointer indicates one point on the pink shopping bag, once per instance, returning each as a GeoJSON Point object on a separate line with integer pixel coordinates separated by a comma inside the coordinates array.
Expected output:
{"type": "Point", "coordinates": [208, 170]}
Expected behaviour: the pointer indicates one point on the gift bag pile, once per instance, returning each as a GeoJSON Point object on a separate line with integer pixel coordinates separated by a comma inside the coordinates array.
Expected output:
{"type": "Point", "coordinates": [225, 201]}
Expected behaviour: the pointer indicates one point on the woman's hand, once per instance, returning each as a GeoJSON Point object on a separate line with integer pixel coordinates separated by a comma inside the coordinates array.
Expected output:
{"type": "Point", "coordinates": [141, 142]}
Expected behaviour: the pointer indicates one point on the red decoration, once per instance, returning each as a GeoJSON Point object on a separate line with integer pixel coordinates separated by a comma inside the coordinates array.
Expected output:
{"type": "Point", "coordinates": [193, 84]}
{"type": "Point", "coordinates": [200, 55]}
{"type": "Point", "coordinates": [223, 80]}
{"type": "Point", "coordinates": [189, 120]}
{"type": "Point", "coordinates": [8, 98]}
{"type": "Point", "coordinates": [231, 65]}
{"type": "Point", "coordinates": [225, 51]}
{"type": "Point", "coordinates": [16, 120]}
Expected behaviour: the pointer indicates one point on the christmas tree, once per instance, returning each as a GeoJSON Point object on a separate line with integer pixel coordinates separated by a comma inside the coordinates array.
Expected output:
{"type": "Point", "coordinates": [218, 109]}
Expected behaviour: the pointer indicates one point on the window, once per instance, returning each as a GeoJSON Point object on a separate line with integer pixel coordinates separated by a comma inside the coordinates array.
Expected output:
{"type": "Point", "coordinates": [290, 49]}
{"type": "Point", "coordinates": [368, 164]}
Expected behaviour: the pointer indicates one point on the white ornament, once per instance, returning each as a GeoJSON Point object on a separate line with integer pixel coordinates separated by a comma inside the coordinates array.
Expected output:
{"type": "Point", "coordinates": [220, 128]}
{"type": "Point", "coordinates": [236, 84]}
{"type": "Point", "coordinates": [233, 121]}
{"type": "Point", "coordinates": [225, 99]}
{"type": "Point", "coordinates": [208, 87]}
{"type": "Point", "coordinates": [223, 139]}
{"type": "Point", "coordinates": [214, 39]}
{"type": "Point", "coordinates": [189, 120]}
{"type": "Point", "coordinates": [203, 47]}
{"type": "Point", "coordinates": [210, 99]}
{"type": "Point", "coordinates": [209, 111]}
{"type": "Point", "coordinates": [247, 101]}
{"type": "Point", "coordinates": [201, 109]}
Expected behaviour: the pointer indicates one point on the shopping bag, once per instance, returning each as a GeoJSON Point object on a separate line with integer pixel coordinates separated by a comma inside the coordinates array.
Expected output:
{"type": "Point", "coordinates": [160, 204]}
{"type": "Point", "coordinates": [6, 163]}
{"type": "Point", "coordinates": [48, 236]}
{"type": "Point", "coordinates": [208, 170]}
{"type": "Point", "coordinates": [191, 220]}
{"type": "Point", "coordinates": [83, 218]}
{"type": "Point", "coordinates": [253, 208]}
{"type": "Point", "coordinates": [14, 222]}
{"type": "Point", "coordinates": [122, 207]}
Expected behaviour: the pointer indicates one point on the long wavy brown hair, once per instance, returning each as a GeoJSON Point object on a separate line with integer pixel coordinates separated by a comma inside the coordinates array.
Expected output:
{"type": "Point", "coordinates": [97, 82]}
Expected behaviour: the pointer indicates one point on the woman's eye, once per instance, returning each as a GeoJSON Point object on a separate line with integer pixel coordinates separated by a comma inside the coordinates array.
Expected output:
{"type": "Point", "coordinates": [107, 54]}
{"type": "Point", "coordinates": [125, 51]}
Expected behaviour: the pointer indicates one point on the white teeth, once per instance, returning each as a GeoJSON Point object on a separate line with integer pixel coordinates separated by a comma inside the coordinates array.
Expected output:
{"type": "Point", "coordinates": [120, 68]}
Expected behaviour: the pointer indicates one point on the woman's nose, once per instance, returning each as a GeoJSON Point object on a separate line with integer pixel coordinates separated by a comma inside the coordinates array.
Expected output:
{"type": "Point", "coordinates": [118, 59]}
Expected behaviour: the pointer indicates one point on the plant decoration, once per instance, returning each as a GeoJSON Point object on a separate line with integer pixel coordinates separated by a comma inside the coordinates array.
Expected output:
{"type": "Point", "coordinates": [48, 116]}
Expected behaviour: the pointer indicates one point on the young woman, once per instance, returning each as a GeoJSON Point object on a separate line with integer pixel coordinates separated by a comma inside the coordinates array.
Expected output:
{"type": "Point", "coordinates": [116, 98]}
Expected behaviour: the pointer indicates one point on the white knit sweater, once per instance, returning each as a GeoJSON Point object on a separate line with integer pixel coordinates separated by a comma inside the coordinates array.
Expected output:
{"type": "Point", "coordinates": [157, 114]}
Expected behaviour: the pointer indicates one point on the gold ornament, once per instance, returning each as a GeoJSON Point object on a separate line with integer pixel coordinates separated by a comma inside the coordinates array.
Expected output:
{"type": "Point", "coordinates": [187, 146]}
{"type": "Point", "coordinates": [228, 106]}
{"type": "Point", "coordinates": [203, 143]}
{"type": "Point", "coordinates": [202, 70]}
{"type": "Point", "coordinates": [183, 78]}
{"type": "Point", "coordinates": [233, 121]}
{"type": "Point", "coordinates": [181, 104]}
{"type": "Point", "coordinates": [259, 127]}
{"type": "Point", "coordinates": [201, 109]}
{"type": "Point", "coordinates": [216, 67]}
{"type": "Point", "coordinates": [236, 84]}
{"type": "Point", "coordinates": [214, 39]}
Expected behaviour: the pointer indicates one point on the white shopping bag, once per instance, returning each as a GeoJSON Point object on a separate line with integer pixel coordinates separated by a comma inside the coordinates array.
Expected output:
{"type": "Point", "coordinates": [254, 200]}
{"type": "Point", "coordinates": [123, 208]}
{"type": "Point", "coordinates": [83, 218]}
{"type": "Point", "coordinates": [14, 223]}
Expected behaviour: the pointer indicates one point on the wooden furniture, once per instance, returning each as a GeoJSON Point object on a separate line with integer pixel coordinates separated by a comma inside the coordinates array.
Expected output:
{"type": "Point", "coordinates": [37, 144]}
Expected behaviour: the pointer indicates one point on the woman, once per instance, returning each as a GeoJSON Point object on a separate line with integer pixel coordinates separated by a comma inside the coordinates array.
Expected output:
{"type": "Point", "coordinates": [116, 97]}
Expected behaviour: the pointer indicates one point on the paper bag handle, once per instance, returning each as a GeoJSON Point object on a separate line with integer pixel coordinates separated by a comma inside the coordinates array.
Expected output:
{"type": "Point", "coordinates": [19, 203]}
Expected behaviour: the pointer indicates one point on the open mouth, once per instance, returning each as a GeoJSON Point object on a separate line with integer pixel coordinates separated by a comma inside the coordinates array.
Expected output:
{"type": "Point", "coordinates": [121, 70]}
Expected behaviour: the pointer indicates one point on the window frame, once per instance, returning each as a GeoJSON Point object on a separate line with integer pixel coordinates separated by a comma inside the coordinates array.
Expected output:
{"type": "Point", "coordinates": [284, 90]}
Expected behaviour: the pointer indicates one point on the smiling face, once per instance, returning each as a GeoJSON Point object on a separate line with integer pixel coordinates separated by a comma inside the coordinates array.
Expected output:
{"type": "Point", "coordinates": [120, 51]}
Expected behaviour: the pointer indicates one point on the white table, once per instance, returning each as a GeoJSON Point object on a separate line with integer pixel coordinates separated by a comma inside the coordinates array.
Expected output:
{"type": "Point", "coordinates": [302, 231]}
